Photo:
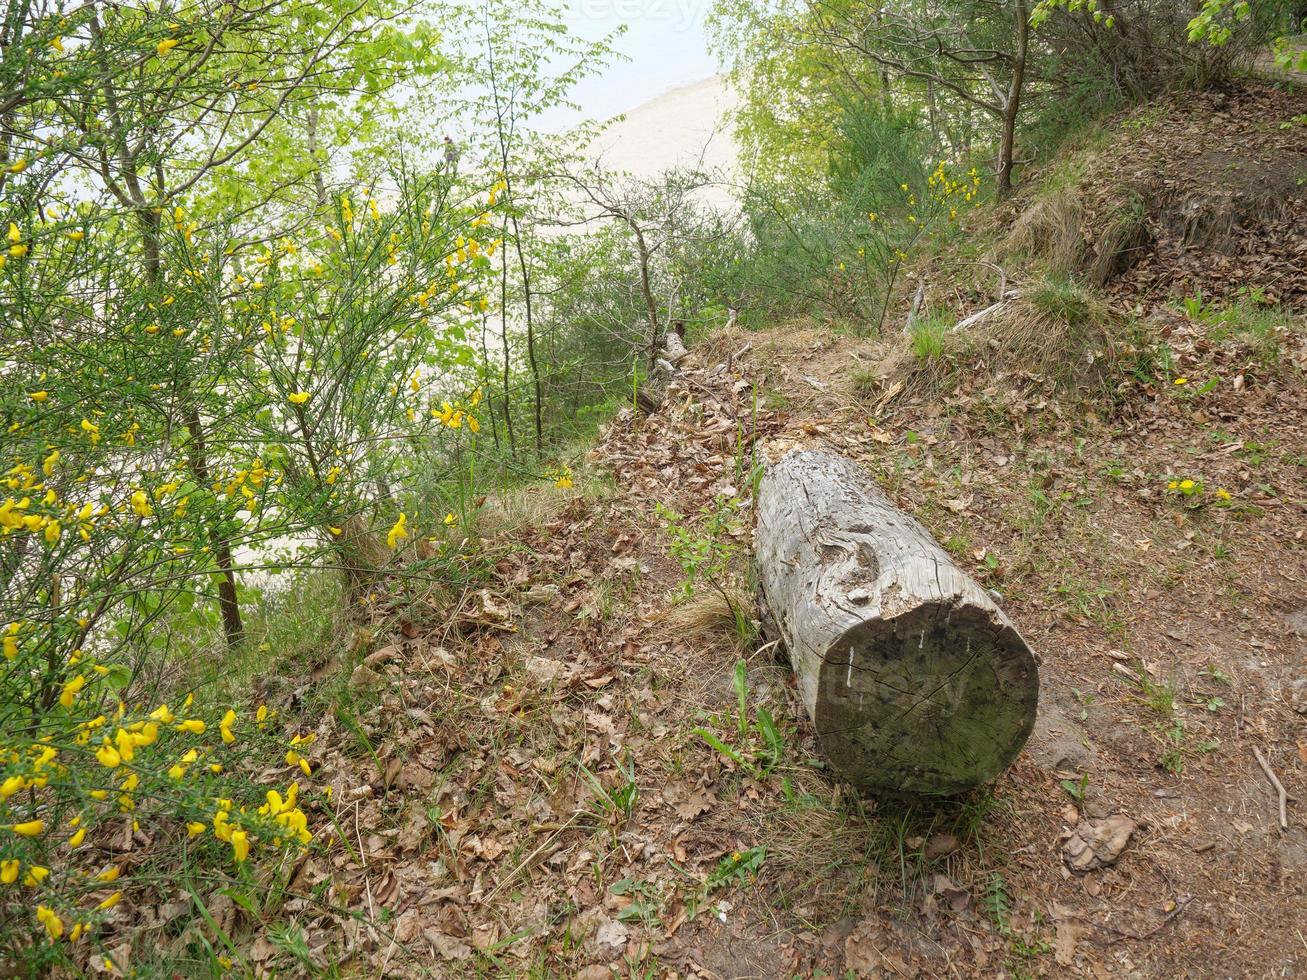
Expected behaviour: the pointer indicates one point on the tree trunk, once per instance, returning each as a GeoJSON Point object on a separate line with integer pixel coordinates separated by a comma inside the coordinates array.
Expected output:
{"type": "Point", "coordinates": [530, 331]}
{"type": "Point", "coordinates": [671, 352]}
{"type": "Point", "coordinates": [503, 336]}
{"type": "Point", "coordinates": [646, 290]}
{"type": "Point", "coordinates": [197, 460]}
{"type": "Point", "coordinates": [915, 681]}
{"type": "Point", "coordinates": [1012, 105]}
{"type": "Point", "coordinates": [197, 455]}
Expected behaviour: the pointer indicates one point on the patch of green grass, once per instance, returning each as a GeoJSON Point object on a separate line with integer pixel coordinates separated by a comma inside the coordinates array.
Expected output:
{"type": "Point", "coordinates": [1254, 453]}
{"type": "Point", "coordinates": [290, 628]}
{"type": "Point", "coordinates": [1091, 601]}
{"type": "Point", "coordinates": [759, 746]}
{"type": "Point", "coordinates": [1259, 325]}
{"type": "Point", "coordinates": [928, 336]}
{"type": "Point", "coordinates": [958, 545]}
{"type": "Point", "coordinates": [1077, 789]}
{"type": "Point", "coordinates": [1157, 697]}
{"type": "Point", "coordinates": [1022, 951]}
{"type": "Point", "coordinates": [1180, 745]}
{"type": "Point", "coordinates": [1064, 300]}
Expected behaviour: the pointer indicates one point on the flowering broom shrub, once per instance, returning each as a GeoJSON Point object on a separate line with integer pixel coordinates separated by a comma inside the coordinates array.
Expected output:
{"type": "Point", "coordinates": [323, 372]}
{"type": "Point", "coordinates": [885, 240]}
{"type": "Point", "coordinates": [202, 367]}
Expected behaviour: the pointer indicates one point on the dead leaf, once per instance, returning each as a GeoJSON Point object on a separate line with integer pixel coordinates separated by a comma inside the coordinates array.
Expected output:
{"type": "Point", "coordinates": [951, 893]}
{"type": "Point", "coordinates": [610, 933]}
{"type": "Point", "coordinates": [959, 504]}
{"type": "Point", "coordinates": [485, 608]}
{"type": "Point", "coordinates": [385, 890]}
{"type": "Point", "coordinates": [364, 677]}
{"type": "Point", "coordinates": [383, 656]}
{"type": "Point", "coordinates": [1064, 943]}
{"type": "Point", "coordinates": [688, 803]}
{"type": "Point", "coordinates": [941, 845]}
{"type": "Point", "coordinates": [544, 671]}
{"type": "Point", "coordinates": [447, 947]}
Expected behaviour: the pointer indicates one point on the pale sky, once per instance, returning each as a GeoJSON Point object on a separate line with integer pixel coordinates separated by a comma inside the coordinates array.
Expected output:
{"type": "Point", "coordinates": [664, 40]}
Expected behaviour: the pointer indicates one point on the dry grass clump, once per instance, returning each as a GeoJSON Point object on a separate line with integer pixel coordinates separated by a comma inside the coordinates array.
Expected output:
{"type": "Point", "coordinates": [714, 614]}
{"type": "Point", "coordinates": [1057, 329]}
{"type": "Point", "coordinates": [1049, 232]}
{"type": "Point", "coordinates": [528, 505]}
{"type": "Point", "coordinates": [1057, 332]}
{"type": "Point", "coordinates": [1121, 244]}
{"type": "Point", "coordinates": [511, 510]}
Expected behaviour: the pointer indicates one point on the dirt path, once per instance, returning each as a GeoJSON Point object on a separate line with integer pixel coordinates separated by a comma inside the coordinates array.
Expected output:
{"type": "Point", "coordinates": [545, 802]}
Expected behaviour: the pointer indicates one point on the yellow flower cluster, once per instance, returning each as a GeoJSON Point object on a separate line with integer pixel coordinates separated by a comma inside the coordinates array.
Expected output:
{"type": "Point", "coordinates": [293, 756]}
{"type": "Point", "coordinates": [246, 483]}
{"type": "Point", "coordinates": [122, 757]}
{"type": "Point", "coordinates": [17, 247]}
{"type": "Point", "coordinates": [398, 532]}
{"type": "Point", "coordinates": [453, 416]}
{"type": "Point", "coordinates": [946, 190]}
{"type": "Point", "coordinates": [179, 223]}
{"type": "Point", "coordinates": [1185, 488]}
{"type": "Point", "coordinates": [38, 510]}
{"type": "Point", "coordinates": [562, 477]}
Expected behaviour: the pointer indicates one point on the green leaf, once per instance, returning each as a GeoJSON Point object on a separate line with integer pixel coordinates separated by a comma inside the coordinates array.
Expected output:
{"type": "Point", "coordinates": [716, 743]}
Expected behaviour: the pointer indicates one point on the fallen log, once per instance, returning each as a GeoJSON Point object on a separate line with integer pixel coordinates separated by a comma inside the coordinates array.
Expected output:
{"type": "Point", "coordinates": [914, 679]}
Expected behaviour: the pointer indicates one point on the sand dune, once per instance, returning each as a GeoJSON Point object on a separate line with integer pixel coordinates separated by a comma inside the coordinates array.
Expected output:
{"type": "Point", "coordinates": [681, 128]}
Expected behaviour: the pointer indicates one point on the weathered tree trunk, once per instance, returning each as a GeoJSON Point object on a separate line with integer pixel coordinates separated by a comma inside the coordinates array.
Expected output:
{"type": "Point", "coordinates": [671, 352]}
{"type": "Point", "coordinates": [916, 682]}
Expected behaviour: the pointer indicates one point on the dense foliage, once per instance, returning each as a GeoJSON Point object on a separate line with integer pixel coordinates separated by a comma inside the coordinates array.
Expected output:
{"type": "Point", "coordinates": [844, 100]}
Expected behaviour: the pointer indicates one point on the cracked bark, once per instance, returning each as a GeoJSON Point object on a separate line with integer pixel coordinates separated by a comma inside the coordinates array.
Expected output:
{"type": "Point", "coordinates": [916, 682]}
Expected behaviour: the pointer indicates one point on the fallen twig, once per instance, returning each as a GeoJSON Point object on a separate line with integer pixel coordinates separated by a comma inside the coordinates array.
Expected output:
{"type": "Point", "coordinates": [1279, 788]}
{"type": "Point", "coordinates": [730, 361]}
{"type": "Point", "coordinates": [363, 860]}
{"type": "Point", "coordinates": [1181, 903]}
{"type": "Point", "coordinates": [987, 312]}
{"type": "Point", "coordinates": [529, 858]}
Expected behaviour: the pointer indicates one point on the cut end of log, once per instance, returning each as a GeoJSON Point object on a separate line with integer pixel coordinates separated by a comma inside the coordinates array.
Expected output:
{"type": "Point", "coordinates": [936, 701]}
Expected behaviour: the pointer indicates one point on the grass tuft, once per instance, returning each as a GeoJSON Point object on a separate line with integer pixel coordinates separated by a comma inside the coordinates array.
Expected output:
{"type": "Point", "coordinates": [712, 614]}
{"type": "Point", "coordinates": [1048, 230]}
{"type": "Point", "coordinates": [928, 336]}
